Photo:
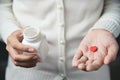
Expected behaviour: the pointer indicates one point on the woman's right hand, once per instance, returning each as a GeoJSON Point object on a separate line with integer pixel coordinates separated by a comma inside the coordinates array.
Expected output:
{"type": "Point", "coordinates": [15, 49]}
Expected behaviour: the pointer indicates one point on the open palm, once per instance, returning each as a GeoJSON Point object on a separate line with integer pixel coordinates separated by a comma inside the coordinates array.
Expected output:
{"type": "Point", "coordinates": [107, 48]}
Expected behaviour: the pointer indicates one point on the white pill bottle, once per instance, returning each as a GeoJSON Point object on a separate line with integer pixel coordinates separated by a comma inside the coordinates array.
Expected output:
{"type": "Point", "coordinates": [34, 38]}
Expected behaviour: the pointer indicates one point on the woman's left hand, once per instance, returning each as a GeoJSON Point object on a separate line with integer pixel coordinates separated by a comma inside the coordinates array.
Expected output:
{"type": "Point", "coordinates": [105, 52]}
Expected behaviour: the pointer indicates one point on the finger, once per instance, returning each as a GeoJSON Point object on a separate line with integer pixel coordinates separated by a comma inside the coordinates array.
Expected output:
{"type": "Point", "coordinates": [83, 59]}
{"type": "Point", "coordinates": [21, 47]}
{"type": "Point", "coordinates": [90, 61]}
{"type": "Point", "coordinates": [27, 58]}
{"type": "Point", "coordinates": [15, 39]}
{"type": "Point", "coordinates": [76, 57]}
{"type": "Point", "coordinates": [16, 56]}
{"type": "Point", "coordinates": [112, 53]}
{"type": "Point", "coordinates": [20, 37]}
{"type": "Point", "coordinates": [96, 64]}
{"type": "Point", "coordinates": [24, 61]}
{"type": "Point", "coordinates": [82, 66]}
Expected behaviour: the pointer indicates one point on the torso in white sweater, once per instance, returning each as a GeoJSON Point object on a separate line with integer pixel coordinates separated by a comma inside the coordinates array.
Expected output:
{"type": "Point", "coordinates": [65, 23]}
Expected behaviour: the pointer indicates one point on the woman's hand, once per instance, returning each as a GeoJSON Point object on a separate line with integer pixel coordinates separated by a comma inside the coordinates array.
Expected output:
{"type": "Point", "coordinates": [16, 48]}
{"type": "Point", "coordinates": [107, 49]}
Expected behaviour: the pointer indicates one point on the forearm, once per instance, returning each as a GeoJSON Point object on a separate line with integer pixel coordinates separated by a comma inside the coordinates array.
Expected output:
{"type": "Point", "coordinates": [110, 18]}
{"type": "Point", "coordinates": [8, 23]}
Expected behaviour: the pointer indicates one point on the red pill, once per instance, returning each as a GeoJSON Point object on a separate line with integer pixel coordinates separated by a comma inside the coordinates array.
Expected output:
{"type": "Point", "coordinates": [93, 48]}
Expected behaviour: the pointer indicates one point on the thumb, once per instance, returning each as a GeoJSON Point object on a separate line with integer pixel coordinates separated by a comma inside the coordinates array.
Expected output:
{"type": "Point", "coordinates": [111, 56]}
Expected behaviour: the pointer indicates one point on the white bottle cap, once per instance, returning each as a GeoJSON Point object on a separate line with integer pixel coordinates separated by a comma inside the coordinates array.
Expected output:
{"type": "Point", "coordinates": [31, 33]}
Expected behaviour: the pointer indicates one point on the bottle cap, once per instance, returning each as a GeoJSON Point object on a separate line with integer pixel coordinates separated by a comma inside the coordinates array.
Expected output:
{"type": "Point", "coordinates": [31, 33]}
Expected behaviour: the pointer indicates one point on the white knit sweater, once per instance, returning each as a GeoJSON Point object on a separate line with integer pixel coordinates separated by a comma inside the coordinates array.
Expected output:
{"type": "Point", "coordinates": [65, 23]}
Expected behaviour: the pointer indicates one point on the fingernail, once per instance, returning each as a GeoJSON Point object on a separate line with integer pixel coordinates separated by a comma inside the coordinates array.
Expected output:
{"type": "Point", "coordinates": [30, 49]}
{"type": "Point", "coordinates": [35, 57]}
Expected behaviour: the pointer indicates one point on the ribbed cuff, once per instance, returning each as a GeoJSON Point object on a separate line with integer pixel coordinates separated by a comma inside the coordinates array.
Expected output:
{"type": "Point", "coordinates": [108, 25]}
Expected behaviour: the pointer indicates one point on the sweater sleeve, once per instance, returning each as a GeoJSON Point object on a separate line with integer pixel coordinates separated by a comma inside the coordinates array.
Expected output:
{"type": "Point", "coordinates": [110, 19]}
{"type": "Point", "coordinates": [8, 23]}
